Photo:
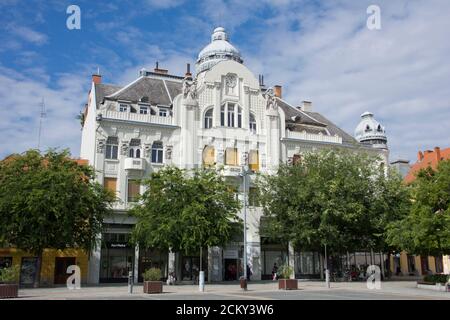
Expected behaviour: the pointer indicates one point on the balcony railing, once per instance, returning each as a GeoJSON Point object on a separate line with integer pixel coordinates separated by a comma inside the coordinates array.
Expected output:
{"type": "Point", "coordinates": [134, 164]}
{"type": "Point", "coordinates": [146, 118]}
{"type": "Point", "coordinates": [313, 137]}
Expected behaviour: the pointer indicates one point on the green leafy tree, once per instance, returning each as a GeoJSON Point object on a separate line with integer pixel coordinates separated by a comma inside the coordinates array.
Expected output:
{"type": "Point", "coordinates": [185, 211]}
{"type": "Point", "coordinates": [50, 201]}
{"type": "Point", "coordinates": [341, 200]}
{"type": "Point", "coordinates": [426, 229]}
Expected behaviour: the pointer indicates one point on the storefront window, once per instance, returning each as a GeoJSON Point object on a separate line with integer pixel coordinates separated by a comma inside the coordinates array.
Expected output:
{"type": "Point", "coordinates": [153, 258]}
{"type": "Point", "coordinates": [117, 257]}
{"type": "Point", "coordinates": [28, 270]}
{"type": "Point", "coordinates": [5, 262]}
{"type": "Point", "coordinates": [307, 264]}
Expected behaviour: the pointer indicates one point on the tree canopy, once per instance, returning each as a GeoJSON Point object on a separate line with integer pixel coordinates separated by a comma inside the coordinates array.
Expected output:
{"type": "Point", "coordinates": [50, 201]}
{"type": "Point", "coordinates": [340, 199]}
{"type": "Point", "coordinates": [426, 229]}
{"type": "Point", "coordinates": [185, 210]}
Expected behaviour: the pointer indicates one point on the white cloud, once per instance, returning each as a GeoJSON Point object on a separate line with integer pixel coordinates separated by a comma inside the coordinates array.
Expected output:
{"type": "Point", "coordinates": [401, 73]}
{"type": "Point", "coordinates": [19, 115]}
{"type": "Point", "coordinates": [28, 34]}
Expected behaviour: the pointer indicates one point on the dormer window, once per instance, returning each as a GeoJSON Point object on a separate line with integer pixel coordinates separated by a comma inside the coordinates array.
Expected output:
{"type": "Point", "coordinates": [163, 112]}
{"type": "Point", "coordinates": [123, 107]}
{"type": "Point", "coordinates": [143, 110]}
{"type": "Point", "coordinates": [367, 128]}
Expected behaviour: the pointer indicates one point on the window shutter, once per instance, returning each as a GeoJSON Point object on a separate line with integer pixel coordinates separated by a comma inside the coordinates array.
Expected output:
{"type": "Point", "coordinates": [111, 184]}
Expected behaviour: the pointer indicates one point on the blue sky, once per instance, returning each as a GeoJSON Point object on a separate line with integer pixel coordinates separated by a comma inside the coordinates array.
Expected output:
{"type": "Point", "coordinates": [317, 50]}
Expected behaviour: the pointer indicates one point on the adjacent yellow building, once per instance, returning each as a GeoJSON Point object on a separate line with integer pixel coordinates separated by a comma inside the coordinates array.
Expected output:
{"type": "Point", "coordinates": [54, 264]}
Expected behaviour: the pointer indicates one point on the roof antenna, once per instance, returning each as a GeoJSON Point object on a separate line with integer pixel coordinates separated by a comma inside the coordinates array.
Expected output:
{"type": "Point", "coordinates": [41, 116]}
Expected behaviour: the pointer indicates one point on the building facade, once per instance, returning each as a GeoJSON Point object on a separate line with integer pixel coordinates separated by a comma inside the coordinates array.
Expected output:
{"type": "Point", "coordinates": [404, 264]}
{"type": "Point", "coordinates": [222, 116]}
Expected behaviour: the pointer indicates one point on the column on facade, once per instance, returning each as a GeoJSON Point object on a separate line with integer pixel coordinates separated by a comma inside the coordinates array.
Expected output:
{"type": "Point", "coordinates": [94, 262]}
{"type": "Point", "coordinates": [215, 264]}
{"type": "Point", "coordinates": [273, 139]}
{"type": "Point", "coordinates": [291, 257]}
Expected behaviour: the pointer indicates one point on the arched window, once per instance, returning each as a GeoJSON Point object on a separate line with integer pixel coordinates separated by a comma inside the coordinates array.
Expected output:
{"type": "Point", "coordinates": [231, 115]}
{"type": "Point", "coordinates": [208, 156]}
{"type": "Point", "coordinates": [252, 123]}
{"type": "Point", "coordinates": [157, 152]}
{"type": "Point", "coordinates": [135, 148]}
{"type": "Point", "coordinates": [208, 119]}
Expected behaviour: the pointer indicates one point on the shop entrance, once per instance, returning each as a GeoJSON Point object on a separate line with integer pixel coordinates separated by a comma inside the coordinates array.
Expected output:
{"type": "Point", "coordinates": [61, 265]}
{"type": "Point", "coordinates": [231, 269]}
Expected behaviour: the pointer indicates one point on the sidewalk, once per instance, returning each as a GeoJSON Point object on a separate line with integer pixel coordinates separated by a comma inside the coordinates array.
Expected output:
{"type": "Point", "coordinates": [395, 290]}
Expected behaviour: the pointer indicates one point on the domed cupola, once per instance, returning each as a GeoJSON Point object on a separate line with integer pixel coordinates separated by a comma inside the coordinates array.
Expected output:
{"type": "Point", "coordinates": [370, 131]}
{"type": "Point", "coordinates": [218, 50]}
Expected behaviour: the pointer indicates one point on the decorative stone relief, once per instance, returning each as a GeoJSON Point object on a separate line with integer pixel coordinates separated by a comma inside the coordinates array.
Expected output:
{"type": "Point", "coordinates": [244, 158]}
{"type": "Point", "coordinates": [169, 152]}
{"type": "Point", "coordinates": [101, 145]}
{"type": "Point", "coordinates": [147, 150]}
{"type": "Point", "coordinates": [124, 147]}
{"type": "Point", "coordinates": [220, 156]}
{"type": "Point", "coordinates": [271, 103]}
{"type": "Point", "coordinates": [190, 89]}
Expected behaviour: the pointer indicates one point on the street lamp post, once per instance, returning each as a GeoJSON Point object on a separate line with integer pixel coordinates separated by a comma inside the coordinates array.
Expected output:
{"type": "Point", "coordinates": [245, 172]}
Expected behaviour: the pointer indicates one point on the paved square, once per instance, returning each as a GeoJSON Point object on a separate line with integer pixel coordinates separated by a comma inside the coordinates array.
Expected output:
{"type": "Point", "coordinates": [308, 290]}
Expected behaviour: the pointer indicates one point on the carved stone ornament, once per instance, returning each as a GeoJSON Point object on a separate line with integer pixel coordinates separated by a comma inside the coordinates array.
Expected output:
{"type": "Point", "coordinates": [271, 103]}
{"type": "Point", "coordinates": [220, 156]}
{"type": "Point", "coordinates": [230, 80]}
{"type": "Point", "coordinates": [169, 152]}
{"type": "Point", "coordinates": [190, 89]}
{"type": "Point", "coordinates": [124, 148]}
{"type": "Point", "coordinates": [147, 149]}
{"type": "Point", "coordinates": [101, 145]}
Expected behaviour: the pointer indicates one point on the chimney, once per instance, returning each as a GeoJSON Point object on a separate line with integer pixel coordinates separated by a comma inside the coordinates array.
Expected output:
{"type": "Point", "coordinates": [188, 71]}
{"type": "Point", "coordinates": [96, 78]}
{"type": "Point", "coordinates": [437, 151]}
{"type": "Point", "coordinates": [160, 71]}
{"type": "Point", "coordinates": [277, 90]}
{"type": "Point", "coordinates": [306, 106]}
{"type": "Point", "coordinates": [419, 156]}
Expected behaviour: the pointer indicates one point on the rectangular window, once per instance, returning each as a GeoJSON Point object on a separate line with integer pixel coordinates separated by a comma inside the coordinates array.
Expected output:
{"type": "Point", "coordinates": [231, 115]}
{"type": "Point", "coordinates": [253, 160]}
{"type": "Point", "coordinates": [123, 107]}
{"type": "Point", "coordinates": [5, 262]}
{"type": "Point", "coordinates": [110, 184]}
{"type": "Point", "coordinates": [112, 148]}
{"type": "Point", "coordinates": [133, 190]}
{"type": "Point", "coordinates": [143, 110]}
{"type": "Point", "coordinates": [157, 152]}
{"type": "Point", "coordinates": [231, 157]}
{"type": "Point", "coordinates": [163, 112]}
{"type": "Point", "coordinates": [222, 116]}
{"type": "Point", "coordinates": [253, 197]}
{"type": "Point", "coordinates": [411, 264]}
{"type": "Point", "coordinates": [439, 264]}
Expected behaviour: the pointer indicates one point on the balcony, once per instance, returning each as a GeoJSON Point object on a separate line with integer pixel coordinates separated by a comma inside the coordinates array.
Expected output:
{"type": "Point", "coordinates": [134, 164]}
{"type": "Point", "coordinates": [313, 137]}
{"type": "Point", "coordinates": [137, 117]}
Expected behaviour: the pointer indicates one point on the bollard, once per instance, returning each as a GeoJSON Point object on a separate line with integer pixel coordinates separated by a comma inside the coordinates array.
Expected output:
{"type": "Point", "coordinates": [327, 278]}
{"type": "Point", "coordinates": [130, 282]}
{"type": "Point", "coordinates": [201, 282]}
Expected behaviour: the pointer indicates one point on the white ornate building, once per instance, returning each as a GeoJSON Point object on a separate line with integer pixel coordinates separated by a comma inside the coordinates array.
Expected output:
{"type": "Point", "coordinates": [223, 116]}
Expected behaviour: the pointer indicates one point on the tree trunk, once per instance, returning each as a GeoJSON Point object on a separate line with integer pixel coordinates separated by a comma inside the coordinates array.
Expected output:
{"type": "Point", "coordinates": [37, 278]}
